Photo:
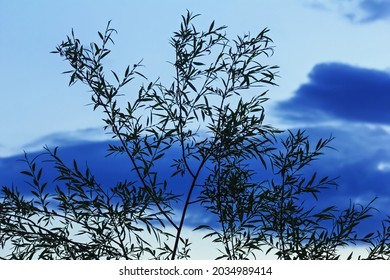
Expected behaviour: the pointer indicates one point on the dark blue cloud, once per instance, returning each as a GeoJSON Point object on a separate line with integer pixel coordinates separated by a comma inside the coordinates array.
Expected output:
{"type": "Point", "coordinates": [340, 91]}
{"type": "Point", "coordinates": [375, 9]}
{"type": "Point", "coordinates": [355, 162]}
{"type": "Point", "coordinates": [91, 154]}
{"type": "Point", "coordinates": [108, 170]}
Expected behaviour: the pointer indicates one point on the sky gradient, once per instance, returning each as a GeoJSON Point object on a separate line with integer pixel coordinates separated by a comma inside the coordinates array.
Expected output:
{"type": "Point", "coordinates": [334, 79]}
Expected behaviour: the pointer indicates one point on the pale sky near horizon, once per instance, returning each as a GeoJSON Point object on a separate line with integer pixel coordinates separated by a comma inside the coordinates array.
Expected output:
{"type": "Point", "coordinates": [37, 103]}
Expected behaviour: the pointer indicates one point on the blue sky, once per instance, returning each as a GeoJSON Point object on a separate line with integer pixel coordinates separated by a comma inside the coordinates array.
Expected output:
{"type": "Point", "coordinates": [334, 75]}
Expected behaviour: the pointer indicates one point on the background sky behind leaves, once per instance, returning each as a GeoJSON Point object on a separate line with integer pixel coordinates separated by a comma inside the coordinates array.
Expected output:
{"type": "Point", "coordinates": [334, 77]}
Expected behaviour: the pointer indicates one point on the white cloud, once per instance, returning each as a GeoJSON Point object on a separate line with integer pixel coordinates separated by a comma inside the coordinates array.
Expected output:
{"type": "Point", "coordinates": [384, 166]}
{"type": "Point", "coordinates": [60, 138]}
{"type": "Point", "coordinates": [205, 249]}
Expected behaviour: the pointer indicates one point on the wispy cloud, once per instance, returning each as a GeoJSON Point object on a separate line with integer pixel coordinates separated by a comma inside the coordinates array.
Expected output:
{"type": "Point", "coordinates": [358, 11]}
{"type": "Point", "coordinates": [68, 138]}
{"type": "Point", "coordinates": [375, 9]}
